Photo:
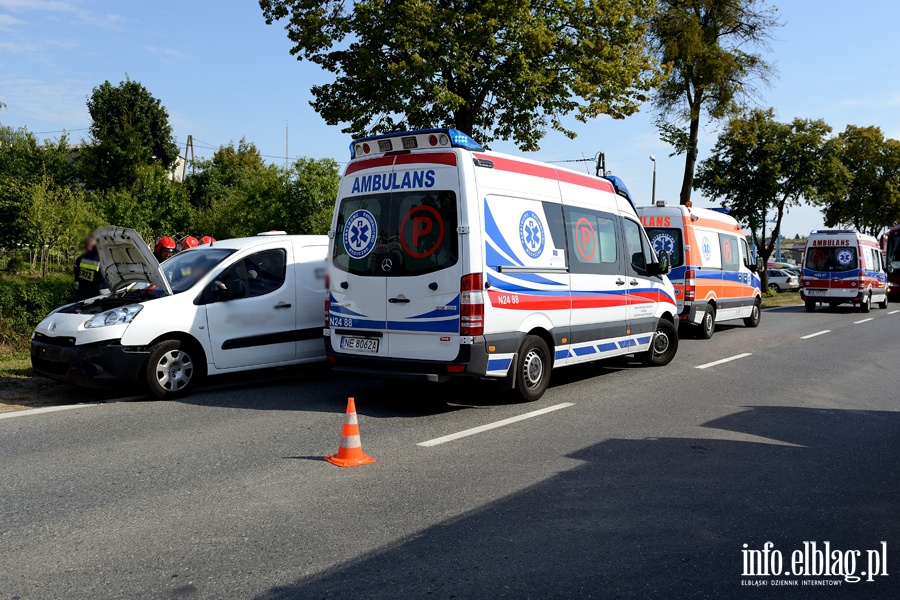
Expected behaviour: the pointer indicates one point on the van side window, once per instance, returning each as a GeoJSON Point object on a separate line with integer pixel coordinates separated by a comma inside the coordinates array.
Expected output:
{"type": "Point", "coordinates": [591, 242]}
{"type": "Point", "coordinates": [638, 253]}
{"type": "Point", "coordinates": [257, 275]}
{"type": "Point", "coordinates": [745, 253]}
{"type": "Point", "coordinates": [555, 222]}
{"type": "Point", "coordinates": [731, 260]}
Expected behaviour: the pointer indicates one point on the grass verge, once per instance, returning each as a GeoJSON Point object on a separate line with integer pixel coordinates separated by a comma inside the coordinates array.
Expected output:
{"type": "Point", "coordinates": [782, 299]}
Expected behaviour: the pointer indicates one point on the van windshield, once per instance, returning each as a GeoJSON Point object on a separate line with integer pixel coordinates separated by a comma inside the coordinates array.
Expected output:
{"type": "Point", "coordinates": [667, 239]}
{"type": "Point", "coordinates": [893, 251]}
{"type": "Point", "coordinates": [831, 258]}
{"type": "Point", "coordinates": [186, 268]}
{"type": "Point", "coordinates": [396, 234]}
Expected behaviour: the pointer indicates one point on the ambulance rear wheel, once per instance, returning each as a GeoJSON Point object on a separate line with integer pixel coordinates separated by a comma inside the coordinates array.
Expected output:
{"type": "Point", "coordinates": [533, 368]}
{"type": "Point", "coordinates": [865, 305]}
{"type": "Point", "coordinates": [664, 347]}
{"type": "Point", "coordinates": [708, 324]}
{"type": "Point", "coordinates": [753, 319]}
{"type": "Point", "coordinates": [810, 305]}
{"type": "Point", "coordinates": [883, 303]}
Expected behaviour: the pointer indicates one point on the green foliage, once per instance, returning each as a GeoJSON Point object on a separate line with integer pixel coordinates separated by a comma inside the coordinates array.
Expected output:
{"type": "Point", "coordinates": [761, 167]}
{"type": "Point", "coordinates": [867, 196]}
{"type": "Point", "coordinates": [497, 69]}
{"type": "Point", "coordinates": [25, 301]}
{"type": "Point", "coordinates": [706, 47]}
{"type": "Point", "coordinates": [130, 129]}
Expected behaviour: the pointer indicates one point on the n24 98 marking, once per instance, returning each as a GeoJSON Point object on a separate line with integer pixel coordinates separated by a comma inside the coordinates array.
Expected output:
{"type": "Point", "coordinates": [504, 299]}
{"type": "Point", "coordinates": [340, 321]}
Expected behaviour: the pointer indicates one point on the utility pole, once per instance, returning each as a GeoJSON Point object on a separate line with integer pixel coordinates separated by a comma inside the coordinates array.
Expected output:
{"type": "Point", "coordinates": [189, 147]}
{"type": "Point", "coordinates": [286, 146]}
{"type": "Point", "coordinates": [653, 195]}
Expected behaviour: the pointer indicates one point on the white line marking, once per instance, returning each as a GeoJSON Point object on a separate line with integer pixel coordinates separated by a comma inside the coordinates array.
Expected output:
{"type": "Point", "coordinates": [863, 321]}
{"type": "Point", "coordinates": [894, 312]}
{"type": "Point", "coordinates": [45, 409]}
{"type": "Point", "coordinates": [724, 360]}
{"type": "Point", "coordinates": [812, 335]}
{"type": "Point", "coordinates": [474, 430]}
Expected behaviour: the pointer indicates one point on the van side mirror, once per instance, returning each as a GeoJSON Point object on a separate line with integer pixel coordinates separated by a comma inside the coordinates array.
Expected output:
{"type": "Point", "coordinates": [753, 268]}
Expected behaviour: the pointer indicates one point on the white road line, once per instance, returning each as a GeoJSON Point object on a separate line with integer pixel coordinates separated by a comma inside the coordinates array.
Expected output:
{"type": "Point", "coordinates": [489, 426]}
{"type": "Point", "coordinates": [724, 360]}
{"type": "Point", "coordinates": [45, 409]}
{"type": "Point", "coordinates": [894, 312]}
{"type": "Point", "coordinates": [863, 321]}
{"type": "Point", "coordinates": [812, 335]}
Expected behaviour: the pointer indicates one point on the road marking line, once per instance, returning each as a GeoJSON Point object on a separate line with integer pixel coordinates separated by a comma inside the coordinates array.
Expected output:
{"type": "Point", "coordinates": [812, 335]}
{"type": "Point", "coordinates": [724, 360]}
{"type": "Point", "coordinates": [45, 409]}
{"type": "Point", "coordinates": [894, 312]}
{"type": "Point", "coordinates": [863, 321]}
{"type": "Point", "coordinates": [494, 425]}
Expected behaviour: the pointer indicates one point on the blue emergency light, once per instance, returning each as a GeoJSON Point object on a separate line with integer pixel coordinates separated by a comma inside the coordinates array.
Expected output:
{"type": "Point", "coordinates": [721, 209]}
{"type": "Point", "coordinates": [455, 138]}
{"type": "Point", "coordinates": [620, 187]}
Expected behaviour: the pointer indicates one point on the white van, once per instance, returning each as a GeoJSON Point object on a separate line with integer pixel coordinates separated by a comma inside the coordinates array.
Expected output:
{"type": "Point", "coordinates": [715, 277]}
{"type": "Point", "coordinates": [843, 266]}
{"type": "Point", "coordinates": [229, 306]}
{"type": "Point", "coordinates": [450, 260]}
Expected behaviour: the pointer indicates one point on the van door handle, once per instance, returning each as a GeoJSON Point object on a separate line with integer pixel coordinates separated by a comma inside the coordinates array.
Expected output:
{"type": "Point", "coordinates": [282, 305]}
{"type": "Point", "coordinates": [620, 282]}
{"type": "Point", "coordinates": [634, 282]}
{"type": "Point", "coordinates": [398, 300]}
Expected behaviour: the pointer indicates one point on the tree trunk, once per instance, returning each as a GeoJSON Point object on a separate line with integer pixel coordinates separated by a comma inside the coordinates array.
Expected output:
{"type": "Point", "coordinates": [690, 159]}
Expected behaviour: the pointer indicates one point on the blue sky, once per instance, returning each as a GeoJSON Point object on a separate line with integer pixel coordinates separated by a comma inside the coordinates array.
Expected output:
{"type": "Point", "coordinates": [223, 74]}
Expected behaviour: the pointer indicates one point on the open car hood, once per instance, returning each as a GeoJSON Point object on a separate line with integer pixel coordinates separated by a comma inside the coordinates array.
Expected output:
{"type": "Point", "coordinates": [125, 259]}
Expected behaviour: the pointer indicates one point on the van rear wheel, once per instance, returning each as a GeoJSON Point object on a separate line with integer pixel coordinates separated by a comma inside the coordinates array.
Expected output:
{"type": "Point", "coordinates": [883, 303]}
{"type": "Point", "coordinates": [753, 319]}
{"type": "Point", "coordinates": [865, 305]}
{"type": "Point", "coordinates": [533, 368]}
{"type": "Point", "coordinates": [708, 324]}
{"type": "Point", "coordinates": [664, 346]}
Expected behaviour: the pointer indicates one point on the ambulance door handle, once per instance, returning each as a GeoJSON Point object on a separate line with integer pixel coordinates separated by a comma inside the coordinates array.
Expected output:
{"type": "Point", "coordinates": [398, 300]}
{"type": "Point", "coordinates": [620, 282]}
{"type": "Point", "coordinates": [344, 285]}
{"type": "Point", "coordinates": [282, 305]}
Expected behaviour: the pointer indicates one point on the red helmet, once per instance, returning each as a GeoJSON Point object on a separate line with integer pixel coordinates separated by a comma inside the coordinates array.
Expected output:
{"type": "Point", "coordinates": [189, 242]}
{"type": "Point", "coordinates": [165, 243]}
{"type": "Point", "coordinates": [207, 239]}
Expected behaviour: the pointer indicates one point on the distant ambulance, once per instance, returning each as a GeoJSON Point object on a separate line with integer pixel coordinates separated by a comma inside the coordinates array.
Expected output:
{"type": "Point", "coordinates": [843, 266]}
{"type": "Point", "coordinates": [714, 275]}
{"type": "Point", "coordinates": [890, 252]}
{"type": "Point", "coordinates": [449, 260]}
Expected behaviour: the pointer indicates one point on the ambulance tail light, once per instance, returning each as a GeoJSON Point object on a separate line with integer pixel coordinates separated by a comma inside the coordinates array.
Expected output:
{"type": "Point", "coordinates": [471, 305]}
{"type": "Point", "coordinates": [327, 300]}
{"type": "Point", "coordinates": [690, 285]}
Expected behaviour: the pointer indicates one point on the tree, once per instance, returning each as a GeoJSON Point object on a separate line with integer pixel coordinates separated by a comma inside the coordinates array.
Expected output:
{"type": "Point", "coordinates": [704, 44]}
{"type": "Point", "coordinates": [312, 188]}
{"type": "Point", "coordinates": [761, 167]}
{"type": "Point", "coordinates": [129, 128]}
{"type": "Point", "coordinates": [496, 69]}
{"type": "Point", "coordinates": [868, 198]}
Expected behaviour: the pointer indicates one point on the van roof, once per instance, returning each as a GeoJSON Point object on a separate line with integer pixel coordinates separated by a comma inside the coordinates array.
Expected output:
{"type": "Point", "coordinates": [238, 243]}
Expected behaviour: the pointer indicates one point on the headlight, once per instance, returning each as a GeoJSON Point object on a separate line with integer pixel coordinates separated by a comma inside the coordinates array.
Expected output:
{"type": "Point", "coordinates": [116, 316]}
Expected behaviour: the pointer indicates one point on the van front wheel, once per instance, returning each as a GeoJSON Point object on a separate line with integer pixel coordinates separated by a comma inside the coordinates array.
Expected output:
{"type": "Point", "coordinates": [664, 345]}
{"type": "Point", "coordinates": [533, 368]}
{"type": "Point", "coordinates": [171, 371]}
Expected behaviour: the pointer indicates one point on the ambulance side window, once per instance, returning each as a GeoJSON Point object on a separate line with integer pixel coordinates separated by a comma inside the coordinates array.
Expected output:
{"type": "Point", "coordinates": [745, 253]}
{"type": "Point", "coordinates": [637, 248]}
{"type": "Point", "coordinates": [591, 240]}
{"type": "Point", "coordinates": [731, 260]}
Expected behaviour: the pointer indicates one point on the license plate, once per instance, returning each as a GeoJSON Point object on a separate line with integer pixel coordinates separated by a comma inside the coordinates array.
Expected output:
{"type": "Point", "coordinates": [355, 344]}
{"type": "Point", "coordinates": [815, 292]}
{"type": "Point", "coordinates": [51, 354]}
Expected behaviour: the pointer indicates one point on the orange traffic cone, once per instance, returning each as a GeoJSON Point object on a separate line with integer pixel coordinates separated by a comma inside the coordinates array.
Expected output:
{"type": "Point", "coordinates": [350, 452]}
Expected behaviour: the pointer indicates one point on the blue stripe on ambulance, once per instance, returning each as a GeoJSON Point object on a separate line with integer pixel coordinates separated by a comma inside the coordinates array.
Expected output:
{"type": "Point", "coordinates": [440, 313]}
{"type": "Point", "coordinates": [494, 235]}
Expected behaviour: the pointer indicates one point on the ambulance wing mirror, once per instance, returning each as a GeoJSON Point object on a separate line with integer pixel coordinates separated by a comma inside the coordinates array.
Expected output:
{"type": "Point", "coordinates": [665, 263]}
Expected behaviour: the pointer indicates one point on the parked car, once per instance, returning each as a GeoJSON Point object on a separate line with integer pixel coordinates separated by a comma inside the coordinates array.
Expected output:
{"type": "Point", "coordinates": [781, 280]}
{"type": "Point", "coordinates": [232, 305]}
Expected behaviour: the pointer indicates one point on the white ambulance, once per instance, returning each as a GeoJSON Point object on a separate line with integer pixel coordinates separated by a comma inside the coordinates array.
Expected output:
{"type": "Point", "coordinates": [446, 259]}
{"type": "Point", "coordinates": [843, 266]}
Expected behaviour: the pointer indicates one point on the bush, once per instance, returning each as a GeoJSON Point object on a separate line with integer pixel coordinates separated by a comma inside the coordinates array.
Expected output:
{"type": "Point", "coordinates": [24, 302]}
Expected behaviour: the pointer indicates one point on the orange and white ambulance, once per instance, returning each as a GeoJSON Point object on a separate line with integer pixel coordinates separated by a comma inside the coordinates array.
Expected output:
{"type": "Point", "coordinates": [714, 275]}
{"type": "Point", "coordinates": [843, 266]}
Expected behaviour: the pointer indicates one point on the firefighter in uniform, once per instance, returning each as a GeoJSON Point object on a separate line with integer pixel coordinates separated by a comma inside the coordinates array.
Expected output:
{"type": "Point", "coordinates": [88, 279]}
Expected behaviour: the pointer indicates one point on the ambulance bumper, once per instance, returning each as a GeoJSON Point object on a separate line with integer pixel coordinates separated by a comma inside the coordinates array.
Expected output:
{"type": "Point", "coordinates": [692, 313]}
{"type": "Point", "coordinates": [471, 361]}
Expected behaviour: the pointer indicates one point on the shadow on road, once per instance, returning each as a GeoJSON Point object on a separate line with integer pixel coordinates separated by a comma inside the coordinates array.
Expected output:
{"type": "Point", "coordinates": [660, 518]}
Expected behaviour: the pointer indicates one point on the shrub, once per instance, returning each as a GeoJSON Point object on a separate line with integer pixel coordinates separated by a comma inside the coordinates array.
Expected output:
{"type": "Point", "coordinates": [24, 302]}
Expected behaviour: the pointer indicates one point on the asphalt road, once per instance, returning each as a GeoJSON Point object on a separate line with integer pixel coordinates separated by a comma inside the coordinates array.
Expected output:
{"type": "Point", "coordinates": [646, 483]}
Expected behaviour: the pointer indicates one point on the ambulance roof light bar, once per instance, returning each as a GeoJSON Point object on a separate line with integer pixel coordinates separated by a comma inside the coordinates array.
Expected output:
{"type": "Point", "coordinates": [431, 138]}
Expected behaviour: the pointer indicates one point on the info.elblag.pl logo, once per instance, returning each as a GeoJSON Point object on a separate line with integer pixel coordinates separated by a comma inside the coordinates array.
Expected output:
{"type": "Point", "coordinates": [813, 564]}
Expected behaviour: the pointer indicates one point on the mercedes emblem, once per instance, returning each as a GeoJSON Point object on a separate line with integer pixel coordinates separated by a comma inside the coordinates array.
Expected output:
{"type": "Point", "coordinates": [387, 264]}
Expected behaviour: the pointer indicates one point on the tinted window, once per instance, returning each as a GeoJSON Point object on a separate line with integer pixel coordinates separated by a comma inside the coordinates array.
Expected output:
{"type": "Point", "coordinates": [591, 241]}
{"type": "Point", "coordinates": [831, 258]}
{"type": "Point", "coordinates": [667, 239]}
{"type": "Point", "coordinates": [893, 251]}
{"type": "Point", "coordinates": [390, 235]}
{"type": "Point", "coordinates": [186, 268]}
{"type": "Point", "coordinates": [637, 248]}
{"type": "Point", "coordinates": [745, 251]}
{"type": "Point", "coordinates": [731, 257]}
{"type": "Point", "coordinates": [257, 275]}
